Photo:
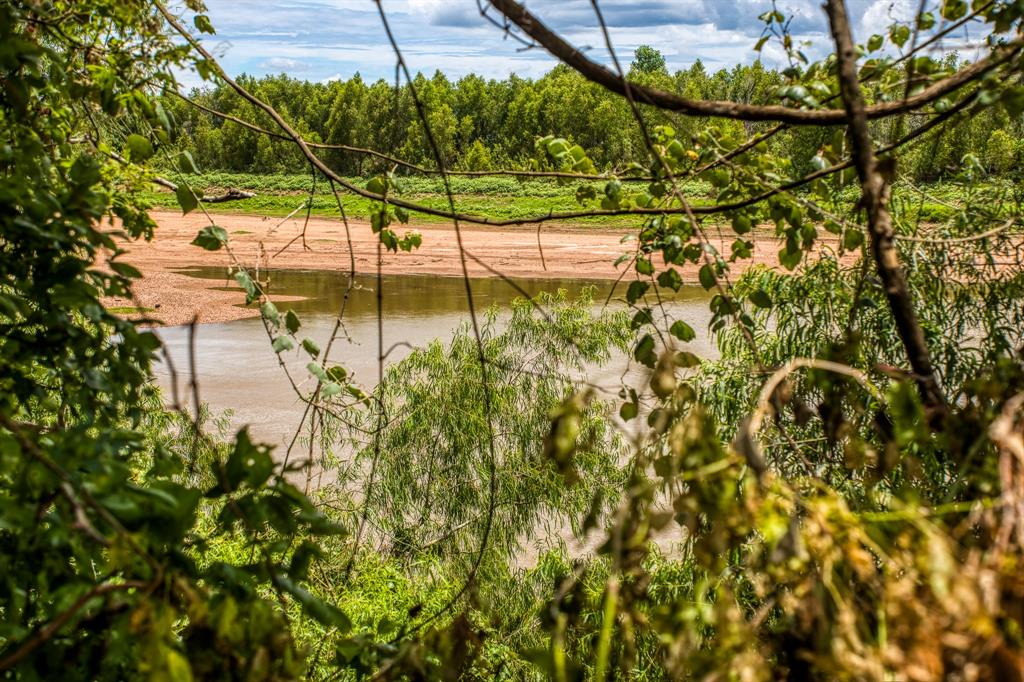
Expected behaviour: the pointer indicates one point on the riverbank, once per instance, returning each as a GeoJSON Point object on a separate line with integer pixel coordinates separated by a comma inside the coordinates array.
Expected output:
{"type": "Point", "coordinates": [557, 252]}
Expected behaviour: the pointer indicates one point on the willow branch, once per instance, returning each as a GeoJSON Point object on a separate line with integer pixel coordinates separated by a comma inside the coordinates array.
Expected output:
{"type": "Point", "coordinates": [764, 405]}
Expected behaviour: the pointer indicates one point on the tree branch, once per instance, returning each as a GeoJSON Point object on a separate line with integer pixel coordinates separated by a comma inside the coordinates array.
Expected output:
{"type": "Point", "coordinates": [592, 71]}
{"type": "Point", "coordinates": [51, 628]}
{"type": "Point", "coordinates": [231, 194]}
{"type": "Point", "coordinates": [875, 200]}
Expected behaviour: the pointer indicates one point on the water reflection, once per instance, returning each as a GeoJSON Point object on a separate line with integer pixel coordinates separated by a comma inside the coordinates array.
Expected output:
{"type": "Point", "coordinates": [237, 370]}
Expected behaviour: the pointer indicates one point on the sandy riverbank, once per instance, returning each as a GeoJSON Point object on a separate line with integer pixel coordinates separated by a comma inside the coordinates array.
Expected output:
{"type": "Point", "coordinates": [564, 252]}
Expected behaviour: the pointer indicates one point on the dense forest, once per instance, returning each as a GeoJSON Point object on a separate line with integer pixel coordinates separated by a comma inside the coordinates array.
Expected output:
{"type": "Point", "coordinates": [483, 124]}
{"type": "Point", "coordinates": [834, 491]}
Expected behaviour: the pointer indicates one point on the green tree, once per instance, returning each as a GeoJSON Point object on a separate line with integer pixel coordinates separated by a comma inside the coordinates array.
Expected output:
{"type": "Point", "coordinates": [647, 60]}
{"type": "Point", "coordinates": [1000, 152]}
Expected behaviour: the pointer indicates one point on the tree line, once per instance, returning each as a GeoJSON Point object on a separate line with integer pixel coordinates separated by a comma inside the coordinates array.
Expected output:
{"type": "Point", "coordinates": [487, 124]}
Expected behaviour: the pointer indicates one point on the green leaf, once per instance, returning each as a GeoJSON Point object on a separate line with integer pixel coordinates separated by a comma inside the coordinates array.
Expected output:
{"type": "Point", "coordinates": [636, 291]}
{"type": "Point", "coordinates": [125, 270]}
{"type": "Point", "coordinates": [411, 240]}
{"type": "Point", "coordinates": [202, 23]}
{"type": "Point", "coordinates": [211, 238]}
{"type": "Point", "coordinates": [389, 240]}
{"type": "Point", "coordinates": [644, 351]}
{"type": "Point", "coordinates": [379, 219]}
{"type": "Point", "coordinates": [644, 266]}
{"type": "Point", "coordinates": [291, 322]}
{"type": "Point", "coordinates": [789, 257]}
{"type": "Point", "coordinates": [742, 248]}
{"type": "Point", "coordinates": [629, 411]}
{"type": "Point", "coordinates": [281, 344]}
{"type": "Point", "coordinates": [310, 347]}
{"type": "Point", "coordinates": [186, 163]}
{"type": "Point", "coordinates": [327, 614]}
{"type": "Point", "coordinates": [670, 279]}
{"type": "Point", "coordinates": [139, 148]}
{"type": "Point", "coordinates": [641, 318]}
{"type": "Point", "coordinates": [718, 178]}
{"type": "Point", "coordinates": [741, 224]}
{"type": "Point", "coordinates": [682, 331]}
{"type": "Point", "coordinates": [298, 568]}
{"type": "Point", "coordinates": [357, 393]}
{"type": "Point", "coordinates": [269, 311]}
{"type": "Point", "coordinates": [899, 34]}
{"type": "Point", "coordinates": [707, 277]}
{"type": "Point", "coordinates": [186, 198]}
{"type": "Point", "coordinates": [954, 9]}
{"type": "Point", "coordinates": [685, 360]}
{"type": "Point", "coordinates": [875, 42]}
{"type": "Point", "coordinates": [852, 239]}
{"type": "Point", "coordinates": [1013, 100]}
{"type": "Point", "coordinates": [317, 371]}
{"type": "Point", "coordinates": [761, 299]}
{"type": "Point", "coordinates": [245, 281]}
{"type": "Point", "coordinates": [248, 463]}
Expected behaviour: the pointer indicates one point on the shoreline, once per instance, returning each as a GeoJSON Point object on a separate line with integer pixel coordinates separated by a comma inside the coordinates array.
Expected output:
{"type": "Point", "coordinates": [564, 252]}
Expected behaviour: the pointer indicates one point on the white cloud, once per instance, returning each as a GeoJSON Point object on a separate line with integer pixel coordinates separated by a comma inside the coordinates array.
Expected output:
{"type": "Point", "coordinates": [881, 14]}
{"type": "Point", "coordinates": [322, 39]}
{"type": "Point", "coordinates": [283, 64]}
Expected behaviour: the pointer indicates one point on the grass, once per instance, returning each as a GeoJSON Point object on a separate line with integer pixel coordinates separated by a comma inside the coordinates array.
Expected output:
{"type": "Point", "coordinates": [511, 198]}
{"type": "Point", "coordinates": [496, 197]}
{"type": "Point", "coordinates": [130, 310]}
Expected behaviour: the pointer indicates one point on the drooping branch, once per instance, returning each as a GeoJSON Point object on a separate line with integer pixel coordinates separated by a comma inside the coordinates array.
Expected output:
{"type": "Point", "coordinates": [532, 26]}
{"type": "Point", "coordinates": [875, 200]}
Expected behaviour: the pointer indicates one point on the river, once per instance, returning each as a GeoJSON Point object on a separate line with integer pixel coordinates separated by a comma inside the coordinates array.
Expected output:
{"type": "Point", "coordinates": [236, 369]}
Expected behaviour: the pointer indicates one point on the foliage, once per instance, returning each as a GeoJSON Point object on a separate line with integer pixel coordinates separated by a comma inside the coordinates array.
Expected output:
{"type": "Point", "coordinates": [647, 60]}
{"type": "Point", "coordinates": [848, 468]}
{"type": "Point", "coordinates": [102, 522]}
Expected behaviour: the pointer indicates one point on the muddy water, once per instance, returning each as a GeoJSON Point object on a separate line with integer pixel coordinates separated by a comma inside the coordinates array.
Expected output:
{"type": "Point", "coordinates": [237, 370]}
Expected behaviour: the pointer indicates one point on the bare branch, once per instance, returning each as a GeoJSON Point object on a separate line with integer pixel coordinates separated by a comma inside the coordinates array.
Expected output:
{"type": "Point", "coordinates": [875, 200]}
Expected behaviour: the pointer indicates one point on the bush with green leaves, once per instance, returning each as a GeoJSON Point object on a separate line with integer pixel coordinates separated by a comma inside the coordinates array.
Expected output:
{"type": "Point", "coordinates": [103, 523]}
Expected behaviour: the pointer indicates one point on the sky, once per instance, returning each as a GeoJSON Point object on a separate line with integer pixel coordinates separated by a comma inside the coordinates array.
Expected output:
{"type": "Point", "coordinates": [321, 40]}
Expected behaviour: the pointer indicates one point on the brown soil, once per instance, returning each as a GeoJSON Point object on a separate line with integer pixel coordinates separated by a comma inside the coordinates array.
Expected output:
{"type": "Point", "coordinates": [563, 252]}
